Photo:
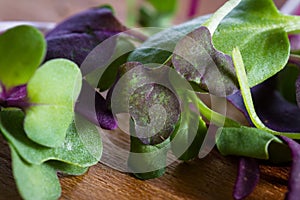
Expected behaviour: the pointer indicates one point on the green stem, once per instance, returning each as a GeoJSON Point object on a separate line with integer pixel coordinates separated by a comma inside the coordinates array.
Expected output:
{"type": "Point", "coordinates": [131, 13]}
{"type": "Point", "coordinates": [213, 22]}
{"type": "Point", "coordinates": [214, 117]}
{"type": "Point", "coordinates": [247, 97]}
{"type": "Point", "coordinates": [294, 25]}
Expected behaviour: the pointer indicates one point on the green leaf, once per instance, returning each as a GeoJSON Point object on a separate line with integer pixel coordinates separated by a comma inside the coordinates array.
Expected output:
{"type": "Point", "coordinates": [52, 92]}
{"type": "Point", "coordinates": [151, 18]}
{"type": "Point", "coordinates": [260, 32]}
{"type": "Point", "coordinates": [74, 150]}
{"type": "Point", "coordinates": [188, 136]}
{"type": "Point", "coordinates": [213, 22]}
{"type": "Point", "coordinates": [166, 6]}
{"type": "Point", "coordinates": [35, 181]}
{"type": "Point", "coordinates": [157, 13]}
{"type": "Point", "coordinates": [159, 47]}
{"type": "Point", "coordinates": [66, 168]}
{"type": "Point", "coordinates": [245, 141]}
{"type": "Point", "coordinates": [146, 161]}
{"type": "Point", "coordinates": [119, 57]}
{"type": "Point", "coordinates": [22, 49]}
{"type": "Point", "coordinates": [247, 97]}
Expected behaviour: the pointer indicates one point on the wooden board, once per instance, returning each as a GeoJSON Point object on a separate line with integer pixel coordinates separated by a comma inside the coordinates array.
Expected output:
{"type": "Point", "coordinates": [209, 178]}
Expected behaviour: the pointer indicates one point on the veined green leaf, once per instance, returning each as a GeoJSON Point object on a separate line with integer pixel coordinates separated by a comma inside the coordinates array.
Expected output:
{"type": "Point", "coordinates": [35, 181]}
{"type": "Point", "coordinates": [22, 49]}
{"type": "Point", "coordinates": [74, 150]}
{"type": "Point", "coordinates": [245, 141]}
{"type": "Point", "coordinates": [247, 97]}
{"type": "Point", "coordinates": [52, 92]}
{"type": "Point", "coordinates": [159, 47]}
{"type": "Point", "coordinates": [260, 32]}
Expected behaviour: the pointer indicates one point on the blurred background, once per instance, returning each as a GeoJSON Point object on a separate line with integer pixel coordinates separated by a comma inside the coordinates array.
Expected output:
{"type": "Point", "coordinates": [125, 10]}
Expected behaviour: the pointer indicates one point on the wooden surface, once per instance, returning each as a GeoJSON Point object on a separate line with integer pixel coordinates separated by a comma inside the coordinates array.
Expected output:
{"type": "Point", "coordinates": [209, 178]}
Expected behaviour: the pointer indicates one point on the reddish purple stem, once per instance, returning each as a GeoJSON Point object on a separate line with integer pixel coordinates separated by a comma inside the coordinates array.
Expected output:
{"type": "Point", "coordinates": [193, 8]}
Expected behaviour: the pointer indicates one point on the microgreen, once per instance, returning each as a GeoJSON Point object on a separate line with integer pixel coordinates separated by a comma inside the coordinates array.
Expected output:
{"type": "Point", "coordinates": [37, 115]}
{"type": "Point", "coordinates": [78, 35]}
{"type": "Point", "coordinates": [187, 137]}
{"type": "Point", "coordinates": [20, 55]}
{"type": "Point", "coordinates": [52, 111]}
{"type": "Point", "coordinates": [73, 150]}
{"type": "Point", "coordinates": [241, 141]}
{"type": "Point", "coordinates": [198, 61]}
{"type": "Point", "coordinates": [147, 161]}
{"type": "Point", "coordinates": [246, 94]}
{"type": "Point", "coordinates": [256, 26]}
{"type": "Point", "coordinates": [35, 181]}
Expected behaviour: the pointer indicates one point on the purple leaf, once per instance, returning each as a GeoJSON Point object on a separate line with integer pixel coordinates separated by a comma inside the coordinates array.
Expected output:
{"type": "Point", "coordinates": [247, 179]}
{"type": "Point", "coordinates": [196, 59]}
{"type": "Point", "coordinates": [294, 179]}
{"type": "Point", "coordinates": [145, 94]}
{"type": "Point", "coordinates": [93, 107]}
{"type": "Point", "coordinates": [15, 97]}
{"type": "Point", "coordinates": [276, 113]}
{"type": "Point", "coordinates": [298, 91]}
{"type": "Point", "coordinates": [80, 34]}
{"type": "Point", "coordinates": [155, 110]}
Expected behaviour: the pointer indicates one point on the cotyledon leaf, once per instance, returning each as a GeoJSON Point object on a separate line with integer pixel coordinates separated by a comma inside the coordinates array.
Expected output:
{"type": "Point", "coordinates": [34, 181]}
{"type": "Point", "coordinates": [22, 49]}
{"type": "Point", "coordinates": [75, 150]}
{"type": "Point", "coordinates": [52, 93]}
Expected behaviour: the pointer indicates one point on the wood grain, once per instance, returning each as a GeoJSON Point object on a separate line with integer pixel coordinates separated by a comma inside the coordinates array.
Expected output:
{"type": "Point", "coordinates": [209, 178]}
